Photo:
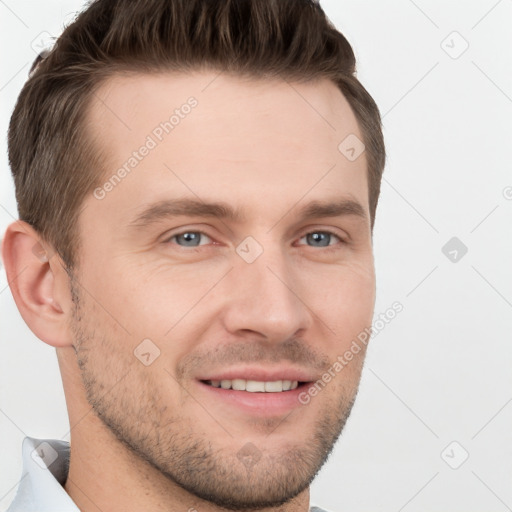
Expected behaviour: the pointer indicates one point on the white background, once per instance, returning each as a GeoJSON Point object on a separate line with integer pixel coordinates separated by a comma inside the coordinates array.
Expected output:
{"type": "Point", "coordinates": [442, 370]}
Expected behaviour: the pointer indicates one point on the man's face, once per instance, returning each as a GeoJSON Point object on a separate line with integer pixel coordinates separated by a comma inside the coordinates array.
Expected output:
{"type": "Point", "coordinates": [268, 296]}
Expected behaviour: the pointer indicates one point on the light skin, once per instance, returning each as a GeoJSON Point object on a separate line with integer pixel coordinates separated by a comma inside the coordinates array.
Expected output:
{"type": "Point", "coordinates": [157, 437]}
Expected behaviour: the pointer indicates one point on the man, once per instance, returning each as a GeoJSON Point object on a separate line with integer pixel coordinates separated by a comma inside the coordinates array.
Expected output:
{"type": "Point", "coordinates": [197, 185]}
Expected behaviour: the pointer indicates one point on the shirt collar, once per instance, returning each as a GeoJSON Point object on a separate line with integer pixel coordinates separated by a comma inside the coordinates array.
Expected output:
{"type": "Point", "coordinates": [45, 469]}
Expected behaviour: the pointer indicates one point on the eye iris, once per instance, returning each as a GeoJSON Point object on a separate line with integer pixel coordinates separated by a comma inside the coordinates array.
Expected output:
{"type": "Point", "coordinates": [319, 237]}
{"type": "Point", "coordinates": [189, 237]}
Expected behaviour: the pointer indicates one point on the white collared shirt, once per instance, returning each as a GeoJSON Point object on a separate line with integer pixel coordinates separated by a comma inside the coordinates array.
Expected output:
{"type": "Point", "coordinates": [45, 469]}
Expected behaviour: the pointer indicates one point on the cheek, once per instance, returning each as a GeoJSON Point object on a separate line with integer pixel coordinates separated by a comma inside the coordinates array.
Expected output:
{"type": "Point", "coordinates": [345, 291]}
{"type": "Point", "coordinates": [346, 306]}
{"type": "Point", "coordinates": [162, 304]}
{"type": "Point", "coordinates": [133, 293]}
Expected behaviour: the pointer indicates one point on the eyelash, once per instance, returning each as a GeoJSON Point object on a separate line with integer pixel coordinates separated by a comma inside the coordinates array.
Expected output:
{"type": "Point", "coordinates": [327, 248]}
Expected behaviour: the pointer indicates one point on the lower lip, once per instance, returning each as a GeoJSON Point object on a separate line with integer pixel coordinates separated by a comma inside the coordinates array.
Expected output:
{"type": "Point", "coordinates": [259, 403]}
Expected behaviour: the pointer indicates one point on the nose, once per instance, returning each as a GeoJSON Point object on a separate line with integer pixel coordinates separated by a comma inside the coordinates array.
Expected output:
{"type": "Point", "coordinates": [265, 297]}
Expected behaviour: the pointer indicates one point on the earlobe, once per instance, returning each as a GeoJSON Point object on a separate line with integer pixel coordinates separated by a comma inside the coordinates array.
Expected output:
{"type": "Point", "coordinates": [39, 284]}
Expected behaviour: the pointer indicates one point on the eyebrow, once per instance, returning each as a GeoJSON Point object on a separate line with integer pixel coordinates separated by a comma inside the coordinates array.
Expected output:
{"type": "Point", "coordinates": [185, 207]}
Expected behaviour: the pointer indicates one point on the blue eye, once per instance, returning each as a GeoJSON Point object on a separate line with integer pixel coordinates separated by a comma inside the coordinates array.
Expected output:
{"type": "Point", "coordinates": [190, 238]}
{"type": "Point", "coordinates": [320, 238]}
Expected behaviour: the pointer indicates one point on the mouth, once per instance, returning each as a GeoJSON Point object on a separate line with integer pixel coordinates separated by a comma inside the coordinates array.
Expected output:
{"type": "Point", "coordinates": [256, 392]}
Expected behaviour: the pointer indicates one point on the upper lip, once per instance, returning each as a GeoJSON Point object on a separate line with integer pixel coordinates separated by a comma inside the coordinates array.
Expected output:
{"type": "Point", "coordinates": [261, 374]}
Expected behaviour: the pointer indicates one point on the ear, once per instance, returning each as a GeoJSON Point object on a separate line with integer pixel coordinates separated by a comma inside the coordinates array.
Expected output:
{"type": "Point", "coordinates": [39, 284]}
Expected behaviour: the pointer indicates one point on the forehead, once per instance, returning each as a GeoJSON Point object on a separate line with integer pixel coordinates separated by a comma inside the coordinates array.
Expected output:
{"type": "Point", "coordinates": [227, 106]}
{"type": "Point", "coordinates": [225, 137]}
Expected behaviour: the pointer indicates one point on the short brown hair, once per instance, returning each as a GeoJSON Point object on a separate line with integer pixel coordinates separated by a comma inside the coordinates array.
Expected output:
{"type": "Point", "coordinates": [55, 165]}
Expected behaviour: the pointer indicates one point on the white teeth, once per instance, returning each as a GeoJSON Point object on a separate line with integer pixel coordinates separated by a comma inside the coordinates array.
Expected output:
{"type": "Point", "coordinates": [238, 384]}
{"type": "Point", "coordinates": [255, 386]}
{"type": "Point", "coordinates": [274, 387]}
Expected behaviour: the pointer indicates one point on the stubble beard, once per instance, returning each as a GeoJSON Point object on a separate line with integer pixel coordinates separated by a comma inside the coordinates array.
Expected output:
{"type": "Point", "coordinates": [245, 477]}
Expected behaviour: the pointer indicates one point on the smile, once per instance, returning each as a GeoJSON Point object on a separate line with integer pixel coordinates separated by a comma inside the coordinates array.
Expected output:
{"type": "Point", "coordinates": [255, 386]}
